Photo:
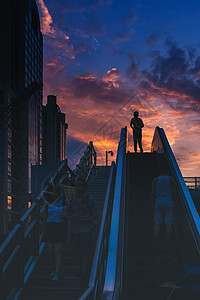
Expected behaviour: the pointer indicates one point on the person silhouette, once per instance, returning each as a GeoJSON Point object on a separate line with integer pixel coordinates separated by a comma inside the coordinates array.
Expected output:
{"type": "Point", "coordinates": [163, 197]}
{"type": "Point", "coordinates": [137, 124]}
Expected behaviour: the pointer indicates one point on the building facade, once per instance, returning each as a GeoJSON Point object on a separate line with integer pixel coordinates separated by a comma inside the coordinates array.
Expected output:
{"type": "Point", "coordinates": [21, 77]}
{"type": "Point", "coordinates": [54, 132]}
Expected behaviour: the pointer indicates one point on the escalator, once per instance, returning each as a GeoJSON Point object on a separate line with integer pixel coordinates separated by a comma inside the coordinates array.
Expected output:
{"type": "Point", "coordinates": [139, 248]}
{"type": "Point", "coordinates": [131, 249]}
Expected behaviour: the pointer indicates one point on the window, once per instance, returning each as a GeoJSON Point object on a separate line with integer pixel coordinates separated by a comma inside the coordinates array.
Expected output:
{"type": "Point", "coordinates": [9, 151]}
{"type": "Point", "coordinates": [9, 185]}
{"type": "Point", "coordinates": [9, 135]}
{"type": "Point", "coordinates": [9, 168]}
{"type": "Point", "coordinates": [9, 202]}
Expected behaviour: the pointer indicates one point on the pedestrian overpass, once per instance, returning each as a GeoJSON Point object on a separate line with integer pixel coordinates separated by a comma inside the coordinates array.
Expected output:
{"type": "Point", "coordinates": [123, 250]}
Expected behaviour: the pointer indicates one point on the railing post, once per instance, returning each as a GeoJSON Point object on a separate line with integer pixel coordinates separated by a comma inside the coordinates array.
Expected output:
{"type": "Point", "coordinates": [21, 256]}
{"type": "Point", "coordinates": [195, 178]}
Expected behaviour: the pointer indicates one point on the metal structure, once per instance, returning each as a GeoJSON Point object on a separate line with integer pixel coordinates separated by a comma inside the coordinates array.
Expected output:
{"type": "Point", "coordinates": [193, 183]}
{"type": "Point", "coordinates": [105, 271]}
{"type": "Point", "coordinates": [22, 248]}
{"type": "Point", "coordinates": [98, 271]}
{"type": "Point", "coordinates": [114, 271]}
{"type": "Point", "coordinates": [108, 152]}
{"type": "Point", "coordinates": [188, 221]}
{"type": "Point", "coordinates": [20, 100]}
{"type": "Point", "coordinates": [87, 163]}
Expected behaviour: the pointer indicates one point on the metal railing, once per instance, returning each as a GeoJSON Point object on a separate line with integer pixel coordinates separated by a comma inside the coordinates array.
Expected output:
{"type": "Point", "coordinates": [114, 269]}
{"type": "Point", "coordinates": [87, 163]}
{"type": "Point", "coordinates": [20, 251]}
{"type": "Point", "coordinates": [188, 219]}
{"type": "Point", "coordinates": [193, 183]}
{"type": "Point", "coordinates": [100, 257]}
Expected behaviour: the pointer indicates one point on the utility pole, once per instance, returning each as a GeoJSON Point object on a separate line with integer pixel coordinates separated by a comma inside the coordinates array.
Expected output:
{"type": "Point", "coordinates": [111, 153]}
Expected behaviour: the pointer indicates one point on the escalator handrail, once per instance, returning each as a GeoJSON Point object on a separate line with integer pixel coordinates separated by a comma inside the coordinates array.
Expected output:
{"type": "Point", "coordinates": [112, 283]}
{"type": "Point", "coordinates": [188, 202]}
{"type": "Point", "coordinates": [95, 266]}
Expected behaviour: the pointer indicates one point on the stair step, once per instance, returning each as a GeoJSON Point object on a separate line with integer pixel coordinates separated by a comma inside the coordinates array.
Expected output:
{"type": "Point", "coordinates": [65, 281]}
{"type": "Point", "coordinates": [53, 293]}
{"type": "Point", "coordinates": [40, 286]}
{"type": "Point", "coordinates": [65, 270]}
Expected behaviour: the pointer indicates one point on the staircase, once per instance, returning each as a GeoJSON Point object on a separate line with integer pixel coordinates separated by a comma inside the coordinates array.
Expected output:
{"type": "Point", "coordinates": [40, 286]}
{"type": "Point", "coordinates": [140, 250]}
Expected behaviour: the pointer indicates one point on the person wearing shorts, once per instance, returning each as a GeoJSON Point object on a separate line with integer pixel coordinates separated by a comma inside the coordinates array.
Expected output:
{"type": "Point", "coordinates": [163, 196]}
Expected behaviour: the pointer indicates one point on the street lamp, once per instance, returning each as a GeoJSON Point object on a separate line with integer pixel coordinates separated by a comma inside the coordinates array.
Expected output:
{"type": "Point", "coordinates": [111, 153]}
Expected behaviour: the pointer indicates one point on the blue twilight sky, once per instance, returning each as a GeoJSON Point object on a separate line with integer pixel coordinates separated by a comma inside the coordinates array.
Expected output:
{"type": "Point", "coordinates": [106, 58]}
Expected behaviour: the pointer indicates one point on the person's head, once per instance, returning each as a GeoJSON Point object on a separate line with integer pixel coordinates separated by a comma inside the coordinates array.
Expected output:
{"type": "Point", "coordinates": [136, 114]}
{"type": "Point", "coordinates": [163, 170]}
{"type": "Point", "coordinates": [81, 186]}
{"type": "Point", "coordinates": [165, 268]}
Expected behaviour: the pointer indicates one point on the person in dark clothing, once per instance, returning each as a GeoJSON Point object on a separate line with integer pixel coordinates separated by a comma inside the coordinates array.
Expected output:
{"type": "Point", "coordinates": [55, 234]}
{"type": "Point", "coordinates": [137, 124]}
{"type": "Point", "coordinates": [82, 213]}
{"type": "Point", "coordinates": [166, 273]}
{"type": "Point", "coordinates": [163, 198]}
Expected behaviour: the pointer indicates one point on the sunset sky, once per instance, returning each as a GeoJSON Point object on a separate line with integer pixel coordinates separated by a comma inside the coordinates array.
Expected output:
{"type": "Point", "coordinates": [104, 59]}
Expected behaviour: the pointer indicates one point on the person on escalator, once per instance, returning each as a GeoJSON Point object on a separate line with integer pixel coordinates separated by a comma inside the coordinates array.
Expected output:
{"type": "Point", "coordinates": [82, 213]}
{"type": "Point", "coordinates": [137, 124]}
{"type": "Point", "coordinates": [55, 234]}
{"type": "Point", "coordinates": [163, 198]}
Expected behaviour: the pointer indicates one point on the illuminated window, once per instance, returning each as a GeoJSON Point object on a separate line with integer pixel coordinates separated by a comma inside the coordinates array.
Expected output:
{"type": "Point", "coordinates": [9, 202]}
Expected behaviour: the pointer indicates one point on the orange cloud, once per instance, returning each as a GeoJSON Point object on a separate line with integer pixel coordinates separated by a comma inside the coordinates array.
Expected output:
{"type": "Point", "coordinates": [58, 38]}
{"type": "Point", "coordinates": [112, 77]}
{"type": "Point", "coordinates": [87, 76]}
{"type": "Point", "coordinates": [47, 26]}
{"type": "Point", "coordinates": [98, 114]}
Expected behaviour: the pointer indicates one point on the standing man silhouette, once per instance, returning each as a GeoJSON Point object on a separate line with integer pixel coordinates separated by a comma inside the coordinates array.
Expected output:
{"type": "Point", "coordinates": [137, 125]}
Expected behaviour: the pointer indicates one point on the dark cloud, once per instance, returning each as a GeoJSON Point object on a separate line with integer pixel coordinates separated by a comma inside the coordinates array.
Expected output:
{"type": "Point", "coordinates": [98, 90]}
{"type": "Point", "coordinates": [192, 52]}
{"type": "Point", "coordinates": [196, 69]}
{"type": "Point", "coordinates": [154, 53]}
{"type": "Point", "coordinates": [173, 72]}
{"type": "Point", "coordinates": [123, 36]}
{"type": "Point", "coordinates": [75, 149]}
{"type": "Point", "coordinates": [132, 70]}
{"type": "Point", "coordinates": [152, 39]}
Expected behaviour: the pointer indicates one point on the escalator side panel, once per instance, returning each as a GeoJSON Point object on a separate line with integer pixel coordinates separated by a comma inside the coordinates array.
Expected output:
{"type": "Point", "coordinates": [141, 169]}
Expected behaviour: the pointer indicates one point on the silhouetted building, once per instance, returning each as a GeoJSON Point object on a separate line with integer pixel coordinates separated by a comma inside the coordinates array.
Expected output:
{"type": "Point", "coordinates": [54, 132]}
{"type": "Point", "coordinates": [21, 75]}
